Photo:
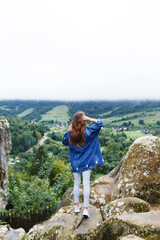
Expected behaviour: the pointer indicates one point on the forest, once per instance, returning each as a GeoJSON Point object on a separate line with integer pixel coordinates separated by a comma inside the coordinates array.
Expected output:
{"type": "Point", "coordinates": [32, 110]}
{"type": "Point", "coordinates": [39, 176]}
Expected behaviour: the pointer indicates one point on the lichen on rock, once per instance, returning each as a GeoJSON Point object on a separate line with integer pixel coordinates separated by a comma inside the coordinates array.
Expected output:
{"type": "Point", "coordinates": [140, 224]}
{"type": "Point", "coordinates": [139, 171]}
{"type": "Point", "coordinates": [8, 233]}
{"type": "Point", "coordinates": [125, 205]}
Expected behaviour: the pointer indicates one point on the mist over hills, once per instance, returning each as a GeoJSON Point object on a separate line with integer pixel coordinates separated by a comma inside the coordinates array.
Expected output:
{"type": "Point", "coordinates": [63, 111]}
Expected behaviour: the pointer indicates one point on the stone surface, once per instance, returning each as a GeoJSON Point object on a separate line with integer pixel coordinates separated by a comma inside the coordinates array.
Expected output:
{"type": "Point", "coordinates": [151, 218]}
{"type": "Point", "coordinates": [5, 148]}
{"type": "Point", "coordinates": [8, 233]}
{"type": "Point", "coordinates": [66, 224]}
{"type": "Point", "coordinates": [138, 173]}
{"type": "Point", "coordinates": [140, 224]}
{"type": "Point", "coordinates": [100, 193]}
{"type": "Point", "coordinates": [125, 205]}
{"type": "Point", "coordinates": [131, 237]}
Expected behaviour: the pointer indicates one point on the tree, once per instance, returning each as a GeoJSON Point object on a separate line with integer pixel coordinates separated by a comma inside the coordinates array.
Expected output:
{"type": "Point", "coordinates": [141, 122]}
{"type": "Point", "coordinates": [39, 159]}
{"type": "Point", "coordinates": [156, 133]}
{"type": "Point", "coordinates": [35, 135]}
{"type": "Point", "coordinates": [57, 167]}
{"type": "Point", "coordinates": [24, 195]}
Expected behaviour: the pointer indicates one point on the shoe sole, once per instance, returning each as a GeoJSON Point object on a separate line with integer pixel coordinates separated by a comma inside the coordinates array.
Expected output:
{"type": "Point", "coordinates": [76, 211]}
{"type": "Point", "coordinates": [85, 216]}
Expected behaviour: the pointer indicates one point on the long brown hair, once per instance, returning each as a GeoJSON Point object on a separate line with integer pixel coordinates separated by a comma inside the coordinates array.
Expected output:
{"type": "Point", "coordinates": [76, 135]}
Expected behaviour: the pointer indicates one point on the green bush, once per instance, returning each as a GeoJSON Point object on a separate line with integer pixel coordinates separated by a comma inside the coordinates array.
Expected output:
{"type": "Point", "coordinates": [30, 195]}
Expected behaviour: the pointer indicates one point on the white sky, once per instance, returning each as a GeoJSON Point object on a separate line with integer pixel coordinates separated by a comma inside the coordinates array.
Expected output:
{"type": "Point", "coordinates": [80, 50]}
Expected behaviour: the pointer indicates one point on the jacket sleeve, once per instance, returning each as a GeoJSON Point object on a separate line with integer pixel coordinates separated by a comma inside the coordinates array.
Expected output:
{"type": "Point", "coordinates": [94, 129]}
{"type": "Point", "coordinates": [65, 138]}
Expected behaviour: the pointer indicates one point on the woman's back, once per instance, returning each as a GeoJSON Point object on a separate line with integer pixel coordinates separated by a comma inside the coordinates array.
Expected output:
{"type": "Point", "coordinates": [85, 153]}
{"type": "Point", "coordinates": [87, 156]}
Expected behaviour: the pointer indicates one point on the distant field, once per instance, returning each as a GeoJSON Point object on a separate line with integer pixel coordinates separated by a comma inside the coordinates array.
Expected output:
{"type": "Point", "coordinates": [4, 108]}
{"type": "Point", "coordinates": [25, 113]}
{"type": "Point", "coordinates": [59, 113]}
{"type": "Point", "coordinates": [109, 112]}
{"type": "Point", "coordinates": [134, 134]}
{"type": "Point", "coordinates": [148, 117]}
{"type": "Point", "coordinates": [105, 113]}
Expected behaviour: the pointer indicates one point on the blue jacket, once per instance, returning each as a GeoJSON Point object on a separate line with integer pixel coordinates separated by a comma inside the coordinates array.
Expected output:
{"type": "Point", "coordinates": [88, 156]}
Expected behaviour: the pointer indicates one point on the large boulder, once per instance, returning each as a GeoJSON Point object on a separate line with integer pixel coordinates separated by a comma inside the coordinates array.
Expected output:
{"type": "Point", "coordinates": [125, 205]}
{"type": "Point", "coordinates": [141, 224]}
{"type": "Point", "coordinates": [5, 148]}
{"type": "Point", "coordinates": [8, 233]}
{"type": "Point", "coordinates": [138, 173]}
{"type": "Point", "coordinates": [66, 224]}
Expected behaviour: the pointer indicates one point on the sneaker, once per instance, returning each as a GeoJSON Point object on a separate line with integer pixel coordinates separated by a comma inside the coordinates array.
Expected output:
{"type": "Point", "coordinates": [85, 212]}
{"type": "Point", "coordinates": [77, 209]}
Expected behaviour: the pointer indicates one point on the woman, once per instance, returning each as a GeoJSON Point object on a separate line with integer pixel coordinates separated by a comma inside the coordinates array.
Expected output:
{"type": "Point", "coordinates": [85, 154]}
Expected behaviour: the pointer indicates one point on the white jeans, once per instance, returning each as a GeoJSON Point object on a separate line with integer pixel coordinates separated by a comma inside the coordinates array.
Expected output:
{"type": "Point", "coordinates": [86, 186]}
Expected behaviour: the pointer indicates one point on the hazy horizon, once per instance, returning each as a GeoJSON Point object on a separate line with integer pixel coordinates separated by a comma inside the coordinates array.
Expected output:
{"type": "Point", "coordinates": [80, 51]}
{"type": "Point", "coordinates": [94, 100]}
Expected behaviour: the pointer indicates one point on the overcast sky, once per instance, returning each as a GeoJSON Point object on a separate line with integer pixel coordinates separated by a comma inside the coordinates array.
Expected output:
{"type": "Point", "coordinates": [79, 50]}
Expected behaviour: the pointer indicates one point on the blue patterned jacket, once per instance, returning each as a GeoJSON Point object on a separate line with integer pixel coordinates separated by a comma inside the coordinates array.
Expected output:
{"type": "Point", "coordinates": [88, 156]}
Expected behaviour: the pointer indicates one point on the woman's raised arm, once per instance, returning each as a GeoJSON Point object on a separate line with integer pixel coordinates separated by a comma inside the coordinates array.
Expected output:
{"type": "Point", "coordinates": [90, 119]}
